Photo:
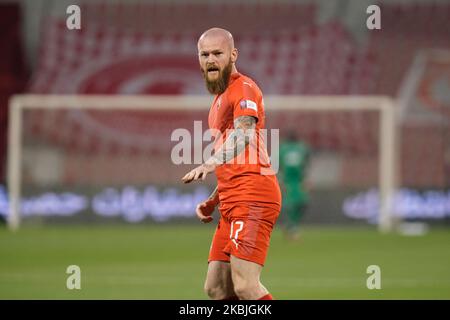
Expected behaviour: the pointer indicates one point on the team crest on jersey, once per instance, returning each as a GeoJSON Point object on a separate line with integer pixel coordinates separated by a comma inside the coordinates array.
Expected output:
{"type": "Point", "coordinates": [248, 104]}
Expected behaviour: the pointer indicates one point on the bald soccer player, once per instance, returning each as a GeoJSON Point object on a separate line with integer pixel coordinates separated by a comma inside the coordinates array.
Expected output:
{"type": "Point", "coordinates": [247, 189]}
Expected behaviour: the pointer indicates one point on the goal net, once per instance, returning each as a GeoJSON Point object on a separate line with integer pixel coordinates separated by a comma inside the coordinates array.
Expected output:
{"type": "Point", "coordinates": [100, 159]}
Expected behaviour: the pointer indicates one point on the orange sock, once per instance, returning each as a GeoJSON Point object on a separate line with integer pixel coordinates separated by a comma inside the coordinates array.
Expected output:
{"type": "Point", "coordinates": [266, 297]}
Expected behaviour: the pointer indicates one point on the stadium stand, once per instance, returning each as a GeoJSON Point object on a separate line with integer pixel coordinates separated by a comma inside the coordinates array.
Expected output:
{"type": "Point", "coordinates": [293, 56]}
{"type": "Point", "coordinates": [12, 68]}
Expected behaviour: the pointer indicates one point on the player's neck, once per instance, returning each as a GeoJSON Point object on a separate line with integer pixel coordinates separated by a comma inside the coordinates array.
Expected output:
{"type": "Point", "coordinates": [233, 69]}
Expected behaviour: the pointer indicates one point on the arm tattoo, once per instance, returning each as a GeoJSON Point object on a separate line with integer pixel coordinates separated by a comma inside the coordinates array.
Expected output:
{"type": "Point", "coordinates": [244, 130]}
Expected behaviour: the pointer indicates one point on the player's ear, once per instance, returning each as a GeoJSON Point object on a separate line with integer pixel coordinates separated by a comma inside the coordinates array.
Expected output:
{"type": "Point", "coordinates": [234, 55]}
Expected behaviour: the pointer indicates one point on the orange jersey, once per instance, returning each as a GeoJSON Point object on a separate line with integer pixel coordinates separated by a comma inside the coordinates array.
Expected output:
{"type": "Point", "coordinates": [249, 176]}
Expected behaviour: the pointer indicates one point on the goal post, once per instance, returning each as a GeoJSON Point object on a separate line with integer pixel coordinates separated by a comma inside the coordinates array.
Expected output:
{"type": "Point", "coordinates": [384, 106]}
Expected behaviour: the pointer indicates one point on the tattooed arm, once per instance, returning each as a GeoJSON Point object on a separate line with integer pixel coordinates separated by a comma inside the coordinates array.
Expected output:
{"type": "Point", "coordinates": [236, 142]}
{"type": "Point", "coordinates": [244, 130]}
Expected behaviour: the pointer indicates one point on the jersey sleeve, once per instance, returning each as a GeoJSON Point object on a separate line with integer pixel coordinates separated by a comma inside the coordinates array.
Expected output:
{"type": "Point", "coordinates": [245, 101]}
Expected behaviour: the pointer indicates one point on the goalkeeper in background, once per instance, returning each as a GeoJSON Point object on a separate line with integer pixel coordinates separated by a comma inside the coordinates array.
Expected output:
{"type": "Point", "coordinates": [294, 163]}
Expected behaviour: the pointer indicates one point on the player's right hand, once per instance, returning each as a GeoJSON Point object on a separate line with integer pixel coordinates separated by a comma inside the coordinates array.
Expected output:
{"type": "Point", "coordinates": [205, 210]}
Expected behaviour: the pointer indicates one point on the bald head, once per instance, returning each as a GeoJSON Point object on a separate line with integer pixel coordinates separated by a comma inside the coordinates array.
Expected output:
{"type": "Point", "coordinates": [220, 35]}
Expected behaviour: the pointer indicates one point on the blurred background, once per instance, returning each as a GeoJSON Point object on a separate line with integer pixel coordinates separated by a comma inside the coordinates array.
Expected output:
{"type": "Point", "coordinates": [99, 186]}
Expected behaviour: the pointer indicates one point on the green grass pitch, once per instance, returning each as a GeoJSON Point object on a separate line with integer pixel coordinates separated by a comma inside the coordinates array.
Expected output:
{"type": "Point", "coordinates": [169, 262]}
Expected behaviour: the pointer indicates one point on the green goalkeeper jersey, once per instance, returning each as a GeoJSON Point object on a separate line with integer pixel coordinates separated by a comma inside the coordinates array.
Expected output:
{"type": "Point", "coordinates": [294, 160]}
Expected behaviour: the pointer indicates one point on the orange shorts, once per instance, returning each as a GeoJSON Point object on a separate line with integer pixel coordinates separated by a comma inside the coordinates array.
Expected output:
{"type": "Point", "coordinates": [243, 231]}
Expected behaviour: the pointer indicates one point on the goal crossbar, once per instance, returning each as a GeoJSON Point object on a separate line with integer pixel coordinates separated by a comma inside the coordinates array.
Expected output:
{"type": "Point", "coordinates": [383, 104]}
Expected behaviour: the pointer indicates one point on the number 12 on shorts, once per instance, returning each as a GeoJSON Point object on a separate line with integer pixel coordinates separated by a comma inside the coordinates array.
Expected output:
{"type": "Point", "coordinates": [237, 226]}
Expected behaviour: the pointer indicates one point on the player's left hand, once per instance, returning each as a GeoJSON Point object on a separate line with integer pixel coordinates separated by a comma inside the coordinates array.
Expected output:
{"type": "Point", "coordinates": [199, 173]}
{"type": "Point", "coordinates": [205, 210]}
